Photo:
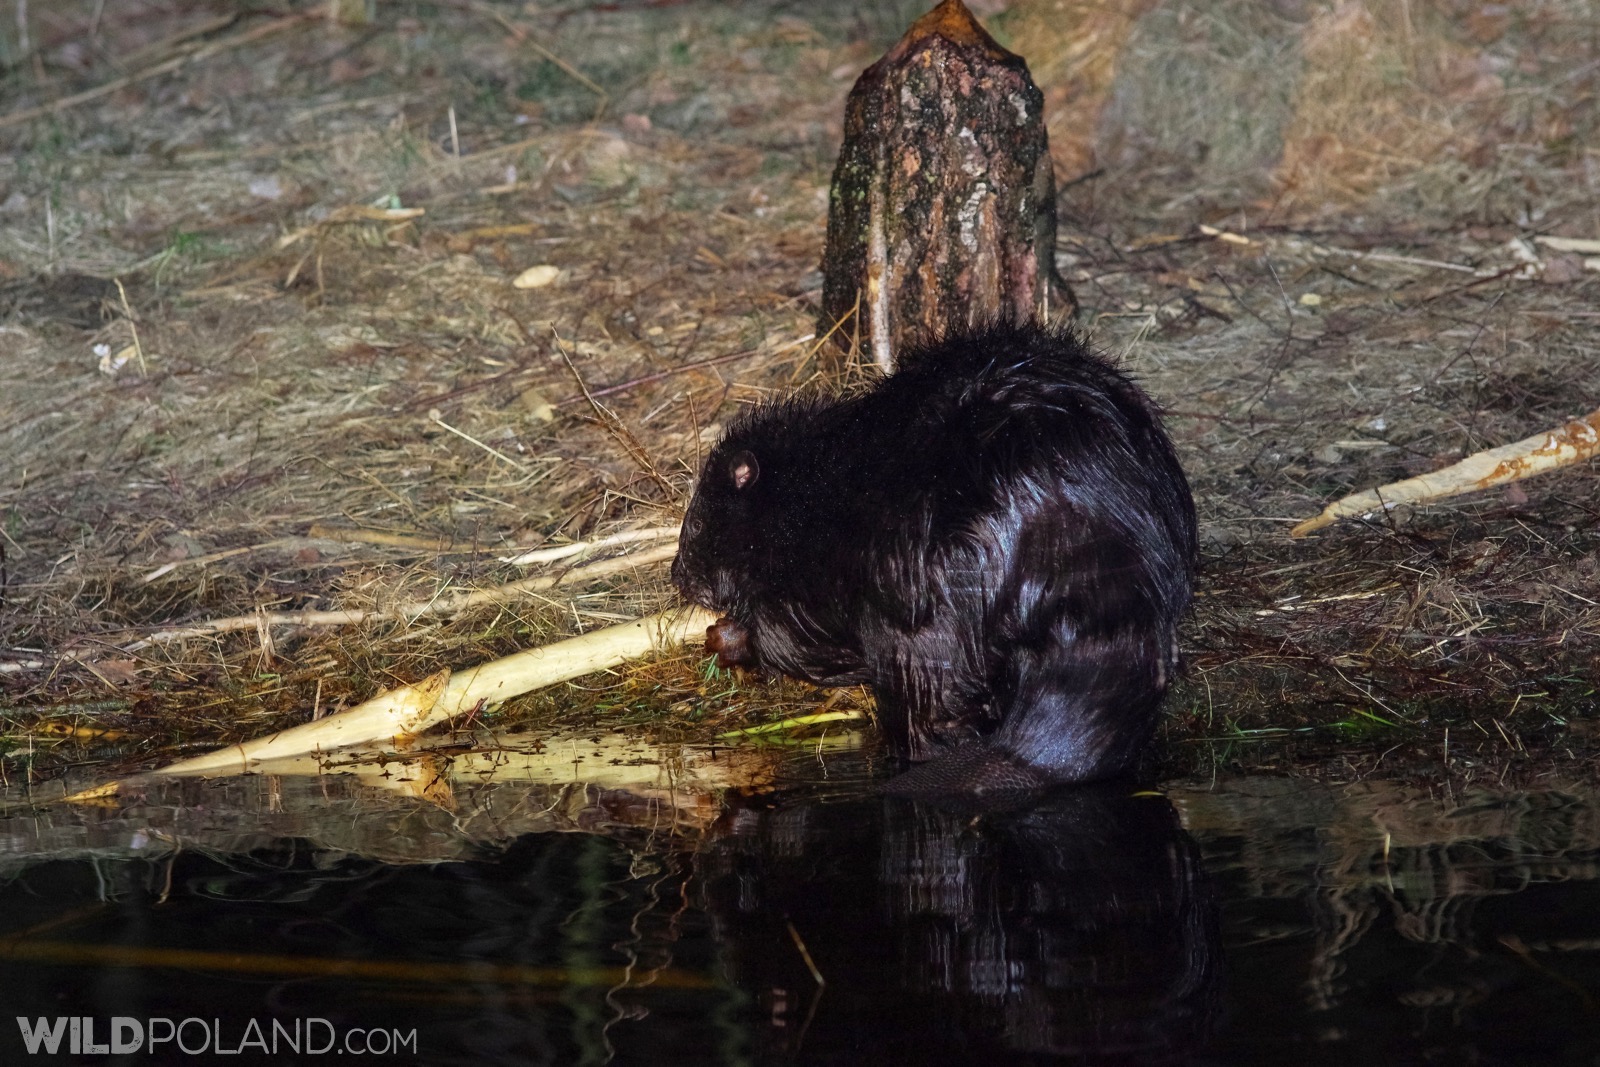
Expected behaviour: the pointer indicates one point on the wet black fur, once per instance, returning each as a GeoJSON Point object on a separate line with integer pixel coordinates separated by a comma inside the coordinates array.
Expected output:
{"type": "Point", "coordinates": [997, 538]}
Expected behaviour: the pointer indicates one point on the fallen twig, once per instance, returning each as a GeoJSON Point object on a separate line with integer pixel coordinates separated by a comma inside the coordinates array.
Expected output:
{"type": "Point", "coordinates": [209, 558]}
{"type": "Point", "coordinates": [522, 35]}
{"type": "Point", "coordinates": [1225, 235]}
{"type": "Point", "coordinates": [437, 605]}
{"type": "Point", "coordinates": [66, 103]}
{"type": "Point", "coordinates": [413, 542]}
{"type": "Point", "coordinates": [795, 722]}
{"type": "Point", "coordinates": [357, 536]}
{"type": "Point", "coordinates": [1584, 245]}
{"type": "Point", "coordinates": [679, 776]}
{"type": "Point", "coordinates": [1577, 440]}
{"type": "Point", "coordinates": [699, 364]}
{"type": "Point", "coordinates": [626, 537]}
{"type": "Point", "coordinates": [350, 214]}
{"type": "Point", "coordinates": [402, 713]}
{"type": "Point", "coordinates": [615, 426]}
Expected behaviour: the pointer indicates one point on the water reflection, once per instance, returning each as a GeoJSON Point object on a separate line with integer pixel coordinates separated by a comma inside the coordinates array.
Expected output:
{"type": "Point", "coordinates": [1404, 923]}
{"type": "Point", "coordinates": [545, 919]}
{"type": "Point", "coordinates": [1079, 926]}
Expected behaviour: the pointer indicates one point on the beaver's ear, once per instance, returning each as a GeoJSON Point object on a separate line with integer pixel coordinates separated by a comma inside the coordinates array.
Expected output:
{"type": "Point", "coordinates": [743, 469]}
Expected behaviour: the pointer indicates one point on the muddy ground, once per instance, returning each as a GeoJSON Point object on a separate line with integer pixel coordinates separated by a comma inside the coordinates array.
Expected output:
{"type": "Point", "coordinates": [262, 350]}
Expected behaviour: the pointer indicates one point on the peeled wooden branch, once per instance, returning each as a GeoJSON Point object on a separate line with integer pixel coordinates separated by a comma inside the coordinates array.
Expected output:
{"type": "Point", "coordinates": [609, 761]}
{"type": "Point", "coordinates": [402, 713]}
{"type": "Point", "coordinates": [577, 548]}
{"type": "Point", "coordinates": [1577, 440]}
{"type": "Point", "coordinates": [439, 605]}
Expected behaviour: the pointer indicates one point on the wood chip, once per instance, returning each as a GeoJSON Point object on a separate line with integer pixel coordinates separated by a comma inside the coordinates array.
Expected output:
{"type": "Point", "coordinates": [537, 277]}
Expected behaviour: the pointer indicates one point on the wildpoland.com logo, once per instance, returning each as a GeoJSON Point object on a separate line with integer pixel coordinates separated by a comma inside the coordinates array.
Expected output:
{"type": "Point", "coordinates": [82, 1035]}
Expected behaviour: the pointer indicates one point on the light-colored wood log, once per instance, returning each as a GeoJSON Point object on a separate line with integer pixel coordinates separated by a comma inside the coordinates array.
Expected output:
{"type": "Point", "coordinates": [1576, 441]}
{"type": "Point", "coordinates": [402, 713]}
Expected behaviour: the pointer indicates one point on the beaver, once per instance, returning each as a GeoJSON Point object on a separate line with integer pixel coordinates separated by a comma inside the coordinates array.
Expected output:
{"type": "Point", "coordinates": [997, 538]}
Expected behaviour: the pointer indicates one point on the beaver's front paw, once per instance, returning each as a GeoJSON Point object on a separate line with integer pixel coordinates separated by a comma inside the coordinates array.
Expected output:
{"type": "Point", "coordinates": [730, 642]}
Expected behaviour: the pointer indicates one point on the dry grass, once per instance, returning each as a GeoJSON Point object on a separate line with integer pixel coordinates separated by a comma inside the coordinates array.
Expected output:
{"type": "Point", "coordinates": [306, 366]}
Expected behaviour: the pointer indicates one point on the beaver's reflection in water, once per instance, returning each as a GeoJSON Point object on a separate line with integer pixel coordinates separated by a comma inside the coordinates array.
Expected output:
{"type": "Point", "coordinates": [1079, 926]}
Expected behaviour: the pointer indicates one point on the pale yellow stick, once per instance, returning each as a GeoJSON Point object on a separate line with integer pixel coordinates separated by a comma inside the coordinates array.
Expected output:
{"type": "Point", "coordinates": [411, 709]}
{"type": "Point", "coordinates": [447, 604]}
{"type": "Point", "coordinates": [612, 761]}
{"type": "Point", "coordinates": [1577, 440]}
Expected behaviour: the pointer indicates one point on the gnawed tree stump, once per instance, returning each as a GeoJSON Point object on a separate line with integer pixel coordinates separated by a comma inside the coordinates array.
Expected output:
{"type": "Point", "coordinates": [943, 203]}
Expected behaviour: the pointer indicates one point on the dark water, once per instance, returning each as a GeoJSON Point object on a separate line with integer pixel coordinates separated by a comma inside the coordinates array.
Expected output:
{"type": "Point", "coordinates": [1246, 921]}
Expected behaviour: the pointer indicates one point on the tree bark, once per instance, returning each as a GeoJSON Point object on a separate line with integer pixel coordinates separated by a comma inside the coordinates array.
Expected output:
{"type": "Point", "coordinates": [942, 213]}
